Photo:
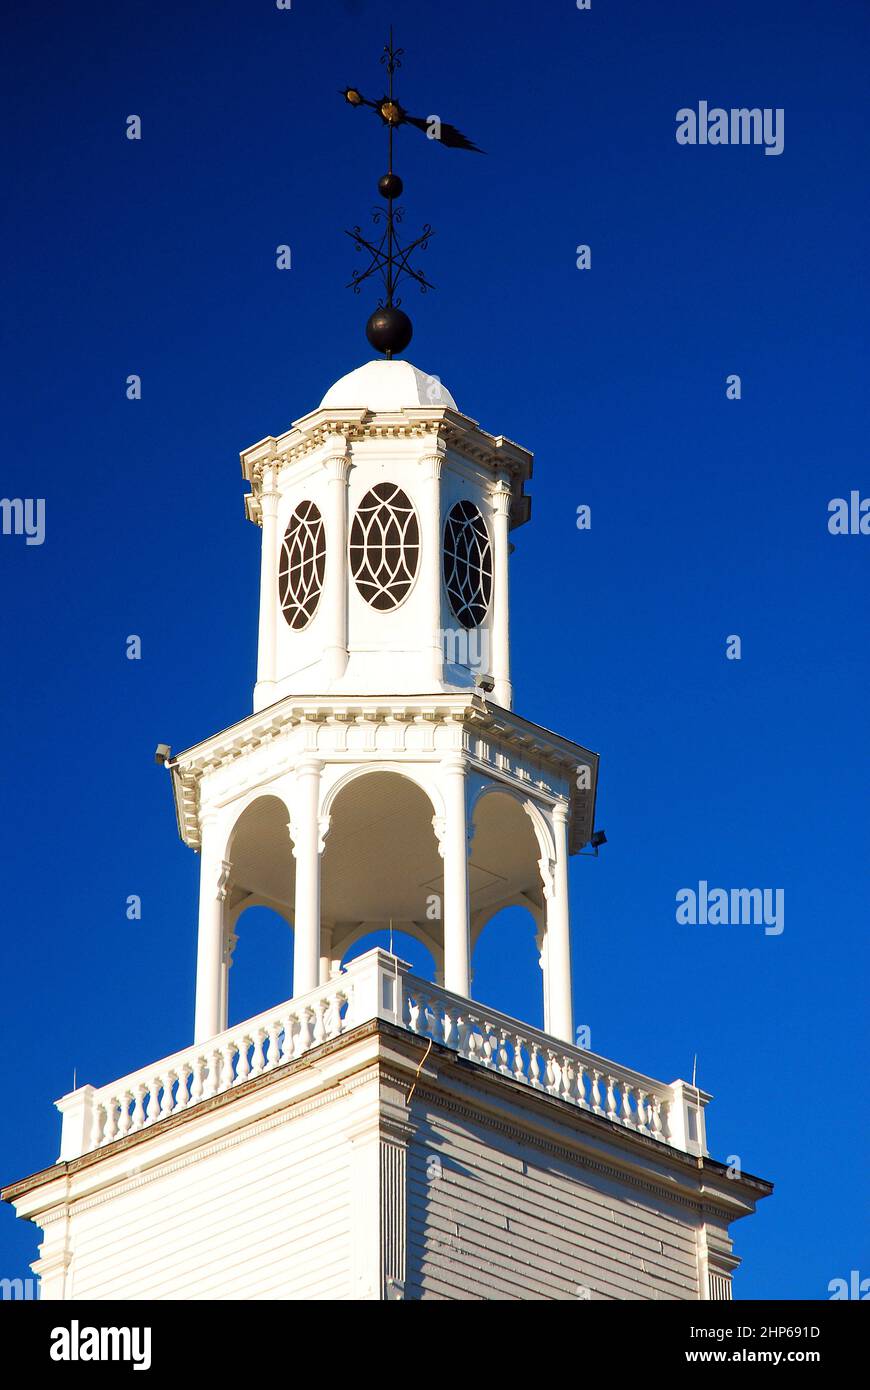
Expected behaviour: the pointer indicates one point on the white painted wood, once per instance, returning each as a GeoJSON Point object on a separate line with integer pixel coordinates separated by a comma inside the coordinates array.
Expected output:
{"type": "Point", "coordinates": [501, 1222]}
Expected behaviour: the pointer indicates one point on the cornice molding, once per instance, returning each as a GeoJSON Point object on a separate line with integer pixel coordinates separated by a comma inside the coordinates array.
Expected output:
{"type": "Point", "coordinates": [488, 729]}
{"type": "Point", "coordinates": [337, 431]}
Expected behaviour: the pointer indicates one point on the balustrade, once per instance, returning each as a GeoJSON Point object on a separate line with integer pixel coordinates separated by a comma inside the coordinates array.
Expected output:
{"type": "Point", "coordinates": [376, 985]}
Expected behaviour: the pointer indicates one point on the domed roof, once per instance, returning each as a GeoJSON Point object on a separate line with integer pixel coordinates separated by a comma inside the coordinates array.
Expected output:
{"type": "Point", "coordinates": [385, 385]}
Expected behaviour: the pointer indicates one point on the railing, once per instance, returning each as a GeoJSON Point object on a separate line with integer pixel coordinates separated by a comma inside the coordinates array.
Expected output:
{"type": "Point", "coordinates": [377, 985]}
{"type": "Point", "coordinates": [671, 1113]}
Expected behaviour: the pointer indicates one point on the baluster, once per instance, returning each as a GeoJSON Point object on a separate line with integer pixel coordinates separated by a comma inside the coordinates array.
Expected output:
{"type": "Point", "coordinates": [228, 1057]}
{"type": "Point", "coordinates": [451, 1032]}
{"type": "Point", "coordinates": [289, 1040]}
{"type": "Point", "coordinates": [123, 1126]}
{"type": "Point", "coordinates": [167, 1102]}
{"type": "Point", "coordinates": [181, 1089]}
{"type": "Point", "coordinates": [580, 1086]}
{"type": "Point", "coordinates": [211, 1073]}
{"type": "Point", "coordinates": [641, 1099]}
{"type": "Point", "coordinates": [624, 1115]}
{"type": "Point", "coordinates": [139, 1108]}
{"type": "Point", "coordinates": [413, 1020]}
{"type": "Point", "coordinates": [124, 1100]}
{"type": "Point", "coordinates": [110, 1128]}
{"type": "Point", "coordinates": [319, 1034]}
{"type": "Point", "coordinates": [306, 1028]}
{"type": "Point", "coordinates": [274, 1043]}
{"type": "Point", "coordinates": [655, 1123]}
{"type": "Point", "coordinates": [519, 1059]}
{"type": "Point", "coordinates": [332, 1017]}
{"type": "Point", "coordinates": [596, 1092]}
{"type": "Point", "coordinates": [243, 1065]}
{"type": "Point", "coordinates": [610, 1099]}
{"type": "Point", "coordinates": [503, 1059]}
{"type": "Point", "coordinates": [258, 1061]}
{"type": "Point", "coordinates": [534, 1065]}
{"type": "Point", "coordinates": [152, 1111]}
{"type": "Point", "coordinates": [196, 1086]}
{"type": "Point", "coordinates": [463, 1027]}
{"type": "Point", "coordinates": [550, 1074]}
{"type": "Point", "coordinates": [566, 1068]}
{"type": "Point", "coordinates": [440, 1021]}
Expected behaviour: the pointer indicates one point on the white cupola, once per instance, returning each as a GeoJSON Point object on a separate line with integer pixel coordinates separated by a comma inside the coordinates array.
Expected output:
{"type": "Point", "coordinates": [385, 517]}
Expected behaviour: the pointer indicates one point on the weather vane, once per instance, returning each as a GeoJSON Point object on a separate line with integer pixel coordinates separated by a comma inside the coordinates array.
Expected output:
{"type": "Point", "coordinates": [389, 329]}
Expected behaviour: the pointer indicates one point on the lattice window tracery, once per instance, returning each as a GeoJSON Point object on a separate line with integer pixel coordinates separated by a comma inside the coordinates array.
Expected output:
{"type": "Point", "coordinates": [467, 564]}
{"type": "Point", "coordinates": [302, 565]}
{"type": "Point", "coordinates": [385, 546]}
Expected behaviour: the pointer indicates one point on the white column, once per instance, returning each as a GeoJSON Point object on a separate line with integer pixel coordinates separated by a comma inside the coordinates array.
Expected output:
{"type": "Point", "coordinates": [269, 611]}
{"type": "Point", "coordinates": [230, 941]}
{"type": "Point", "coordinates": [334, 601]}
{"type": "Point", "coordinates": [432, 465]}
{"type": "Point", "coordinates": [307, 846]}
{"type": "Point", "coordinates": [454, 848]}
{"type": "Point", "coordinates": [214, 872]}
{"type": "Point", "coordinates": [541, 943]}
{"type": "Point", "coordinates": [499, 626]}
{"type": "Point", "coordinates": [326, 957]}
{"type": "Point", "coordinates": [557, 958]}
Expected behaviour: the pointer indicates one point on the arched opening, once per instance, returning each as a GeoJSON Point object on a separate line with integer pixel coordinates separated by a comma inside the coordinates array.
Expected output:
{"type": "Point", "coordinates": [261, 973]}
{"type": "Point", "coordinates": [506, 965]}
{"type": "Point", "coordinates": [260, 894]}
{"type": "Point", "coordinates": [507, 906]}
{"type": "Point", "coordinates": [381, 869]}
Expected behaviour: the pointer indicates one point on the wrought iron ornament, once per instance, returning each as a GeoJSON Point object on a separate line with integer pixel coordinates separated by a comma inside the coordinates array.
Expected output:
{"type": "Point", "coordinates": [389, 328]}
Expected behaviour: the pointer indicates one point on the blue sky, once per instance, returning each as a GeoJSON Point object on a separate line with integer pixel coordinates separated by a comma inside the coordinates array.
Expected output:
{"type": "Point", "coordinates": [709, 516]}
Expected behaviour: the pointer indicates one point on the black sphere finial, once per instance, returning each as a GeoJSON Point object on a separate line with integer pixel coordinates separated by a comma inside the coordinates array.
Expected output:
{"type": "Point", "coordinates": [389, 330]}
{"type": "Point", "coordinates": [390, 186]}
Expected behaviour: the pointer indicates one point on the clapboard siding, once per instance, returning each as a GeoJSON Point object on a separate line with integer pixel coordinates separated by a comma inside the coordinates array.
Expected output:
{"type": "Point", "coordinates": [508, 1220]}
{"type": "Point", "coordinates": [266, 1217]}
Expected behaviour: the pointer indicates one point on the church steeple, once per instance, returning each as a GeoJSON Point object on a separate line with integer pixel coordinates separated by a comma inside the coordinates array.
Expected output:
{"type": "Point", "coordinates": [384, 780]}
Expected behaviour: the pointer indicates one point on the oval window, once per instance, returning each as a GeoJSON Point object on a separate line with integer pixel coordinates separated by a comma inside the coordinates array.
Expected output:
{"type": "Point", "coordinates": [302, 564]}
{"type": "Point", "coordinates": [384, 546]}
{"type": "Point", "coordinates": [467, 563]}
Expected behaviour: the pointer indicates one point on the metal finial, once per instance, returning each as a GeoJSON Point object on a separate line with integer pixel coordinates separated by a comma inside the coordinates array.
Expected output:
{"type": "Point", "coordinates": [389, 328]}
